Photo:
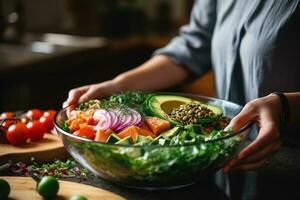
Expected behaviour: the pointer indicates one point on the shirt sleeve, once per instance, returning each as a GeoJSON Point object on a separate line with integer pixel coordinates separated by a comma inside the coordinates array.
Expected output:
{"type": "Point", "coordinates": [192, 47]}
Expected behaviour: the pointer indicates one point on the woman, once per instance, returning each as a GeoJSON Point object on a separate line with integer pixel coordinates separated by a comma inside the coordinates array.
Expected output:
{"type": "Point", "coordinates": [253, 48]}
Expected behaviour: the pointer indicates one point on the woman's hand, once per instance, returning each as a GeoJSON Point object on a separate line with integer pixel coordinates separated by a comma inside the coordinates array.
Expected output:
{"type": "Point", "coordinates": [84, 93]}
{"type": "Point", "coordinates": [265, 112]}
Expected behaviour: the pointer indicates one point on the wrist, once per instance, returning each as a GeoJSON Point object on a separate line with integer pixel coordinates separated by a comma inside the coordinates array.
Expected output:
{"type": "Point", "coordinates": [284, 108]}
{"type": "Point", "coordinates": [119, 83]}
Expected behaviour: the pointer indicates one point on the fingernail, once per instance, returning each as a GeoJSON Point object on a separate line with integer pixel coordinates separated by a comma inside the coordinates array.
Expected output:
{"type": "Point", "coordinates": [228, 128]}
{"type": "Point", "coordinates": [65, 104]}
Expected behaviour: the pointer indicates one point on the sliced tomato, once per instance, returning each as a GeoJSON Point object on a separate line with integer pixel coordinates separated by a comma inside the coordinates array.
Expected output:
{"type": "Point", "coordinates": [85, 132]}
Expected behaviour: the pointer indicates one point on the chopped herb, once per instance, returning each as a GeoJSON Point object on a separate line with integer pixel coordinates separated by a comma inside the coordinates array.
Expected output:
{"type": "Point", "coordinates": [58, 169]}
{"type": "Point", "coordinates": [64, 126]}
{"type": "Point", "coordinates": [123, 100]}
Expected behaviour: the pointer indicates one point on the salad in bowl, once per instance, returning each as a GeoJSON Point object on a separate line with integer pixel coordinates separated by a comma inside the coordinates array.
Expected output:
{"type": "Point", "coordinates": [151, 140]}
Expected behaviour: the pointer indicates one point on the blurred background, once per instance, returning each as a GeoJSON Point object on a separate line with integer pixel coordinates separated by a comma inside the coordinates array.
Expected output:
{"type": "Point", "coordinates": [48, 47]}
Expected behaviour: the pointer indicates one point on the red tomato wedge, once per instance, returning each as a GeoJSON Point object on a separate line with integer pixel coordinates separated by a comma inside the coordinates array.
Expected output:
{"type": "Point", "coordinates": [85, 132]}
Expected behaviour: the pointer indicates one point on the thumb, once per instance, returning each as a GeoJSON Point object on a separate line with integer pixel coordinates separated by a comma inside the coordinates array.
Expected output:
{"type": "Point", "coordinates": [239, 121]}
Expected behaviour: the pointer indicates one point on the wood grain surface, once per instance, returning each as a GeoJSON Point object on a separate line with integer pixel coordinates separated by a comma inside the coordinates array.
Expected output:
{"type": "Point", "coordinates": [24, 188]}
{"type": "Point", "coordinates": [46, 150]}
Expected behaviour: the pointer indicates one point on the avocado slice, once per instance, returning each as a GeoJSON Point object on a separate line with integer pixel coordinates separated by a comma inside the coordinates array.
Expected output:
{"type": "Point", "coordinates": [170, 133]}
{"type": "Point", "coordinates": [161, 140]}
{"type": "Point", "coordinates": [127, 140]}
{"type": "Point", "coordinates": [141, 140]}
{"type": "Point", "coordinates": [161, 105]}
{"type": "Point", "coordinates": [113, 138]}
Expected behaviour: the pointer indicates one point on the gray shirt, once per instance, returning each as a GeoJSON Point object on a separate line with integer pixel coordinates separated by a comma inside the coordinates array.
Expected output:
{"type": "Point", "coordinates": [253, 46]}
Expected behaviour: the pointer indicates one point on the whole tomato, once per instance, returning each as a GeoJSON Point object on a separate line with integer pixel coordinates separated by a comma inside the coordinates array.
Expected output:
{"type": "Point", "coordinates": [33, 114]}
{"type": "Point", "coordinates": [6, 115]}
{"type": "Point", "coordinates": [7, 123]}
{"type": "Point", "coordinates": [85, 132]}
{"type": "Point", "coordinates": [35, 131]}
{"type": "Point", "coordinates": [49, 113]}
{"type": "Point", "coordinates": [47, 123]}
{"type": "Point", "coordinates": [17, 134]}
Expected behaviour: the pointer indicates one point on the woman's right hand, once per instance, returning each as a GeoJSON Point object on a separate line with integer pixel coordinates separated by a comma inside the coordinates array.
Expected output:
{"type": "Point", "coordinates": [93, 91]}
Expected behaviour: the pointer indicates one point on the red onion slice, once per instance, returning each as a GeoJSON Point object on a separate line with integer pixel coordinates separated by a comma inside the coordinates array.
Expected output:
{"type": "Point", "coordinates": [104, 118]}
{"type": "Point", "coordinates": [115, 119]}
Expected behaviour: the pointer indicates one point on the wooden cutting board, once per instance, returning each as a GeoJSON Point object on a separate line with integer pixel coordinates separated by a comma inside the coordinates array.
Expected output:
{"type": "Point", "coordinates": [46, 150]}
{"type": "Point", "coordinates": [23, 188]}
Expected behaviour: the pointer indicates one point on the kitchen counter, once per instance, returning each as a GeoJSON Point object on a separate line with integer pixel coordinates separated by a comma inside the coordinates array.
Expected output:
{"type": "Point", "coordinates": [192, 192]}
{"type": "Point", "coordinates": [278, 180]}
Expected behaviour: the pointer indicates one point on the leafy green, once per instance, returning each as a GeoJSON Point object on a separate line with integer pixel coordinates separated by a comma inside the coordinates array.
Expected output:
{"type": "Point", "coordinates": [159, 164]}
{"type": "Point", "coordinates": [64, 126]}
{"type": "Point", "coordinates": [123, 100]}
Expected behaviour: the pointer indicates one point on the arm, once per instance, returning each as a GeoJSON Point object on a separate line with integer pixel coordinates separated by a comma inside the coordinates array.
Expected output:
{"type": "Point", "coordinates": [157, 73]}
{"type": "Point", "coordinates": [265, 112]}
{"type": "Point", "coordinates": [185, 56]}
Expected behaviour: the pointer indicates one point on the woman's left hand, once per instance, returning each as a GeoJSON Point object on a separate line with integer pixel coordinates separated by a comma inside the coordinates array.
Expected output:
{"type": "Point", "coordinates": [265, 112]}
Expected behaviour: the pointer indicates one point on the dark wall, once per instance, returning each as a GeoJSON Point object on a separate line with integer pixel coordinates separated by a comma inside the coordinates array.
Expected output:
{"type": "Point", "coordinates": [45, 85]}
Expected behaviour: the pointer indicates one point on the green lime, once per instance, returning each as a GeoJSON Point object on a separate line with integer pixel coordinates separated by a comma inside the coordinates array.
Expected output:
{"type": "Point", "coordinates": [78, 197]}
{"type": "Point", "coordinates": [48, 187]}
{"type": "Point", "coordinates": [4, 189]}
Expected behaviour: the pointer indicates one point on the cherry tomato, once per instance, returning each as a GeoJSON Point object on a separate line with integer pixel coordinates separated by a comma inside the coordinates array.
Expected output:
{"type": "Point", "coordinates": [6, 115]}
{"type": "Point", "coordinates": [47, 122]}
{"type": "Point", "coordinates": [48, 187]}
{"type": "Point", "coordinates": [33, 114]}
{"type": "Point", "coordinates": [85, 132]}
{"type": "Point", "coordinates": [3, 129]}
{"type": "Point", "coordinates": [17, 134]}
{"type": "Point", "coordinates": [49, 113]}
{"type": "Point", "coordinates": [35, 131]}
{"type": "Point", "coordinates": [7, 123]}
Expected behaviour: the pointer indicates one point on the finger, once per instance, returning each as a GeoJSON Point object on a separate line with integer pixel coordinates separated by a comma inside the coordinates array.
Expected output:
{"type": "Point", "coordinates": [75, 94]}
{"type": "Point", "coordinates": [267, 133]}
{"type": "Point", "coordinates": [251, 166]}
{"type": "Point", "coordinates": [245, 116]}
{"type": "Point", "coordinates": [90, 94]}
{"type": "Point", "coordinates": [65, 104]}
{"type": "Point", "coordinates": [265, 152]}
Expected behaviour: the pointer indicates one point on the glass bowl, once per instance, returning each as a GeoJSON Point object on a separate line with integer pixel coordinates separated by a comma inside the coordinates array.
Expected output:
{"type": "Point", "coordinates": [154, 166]}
